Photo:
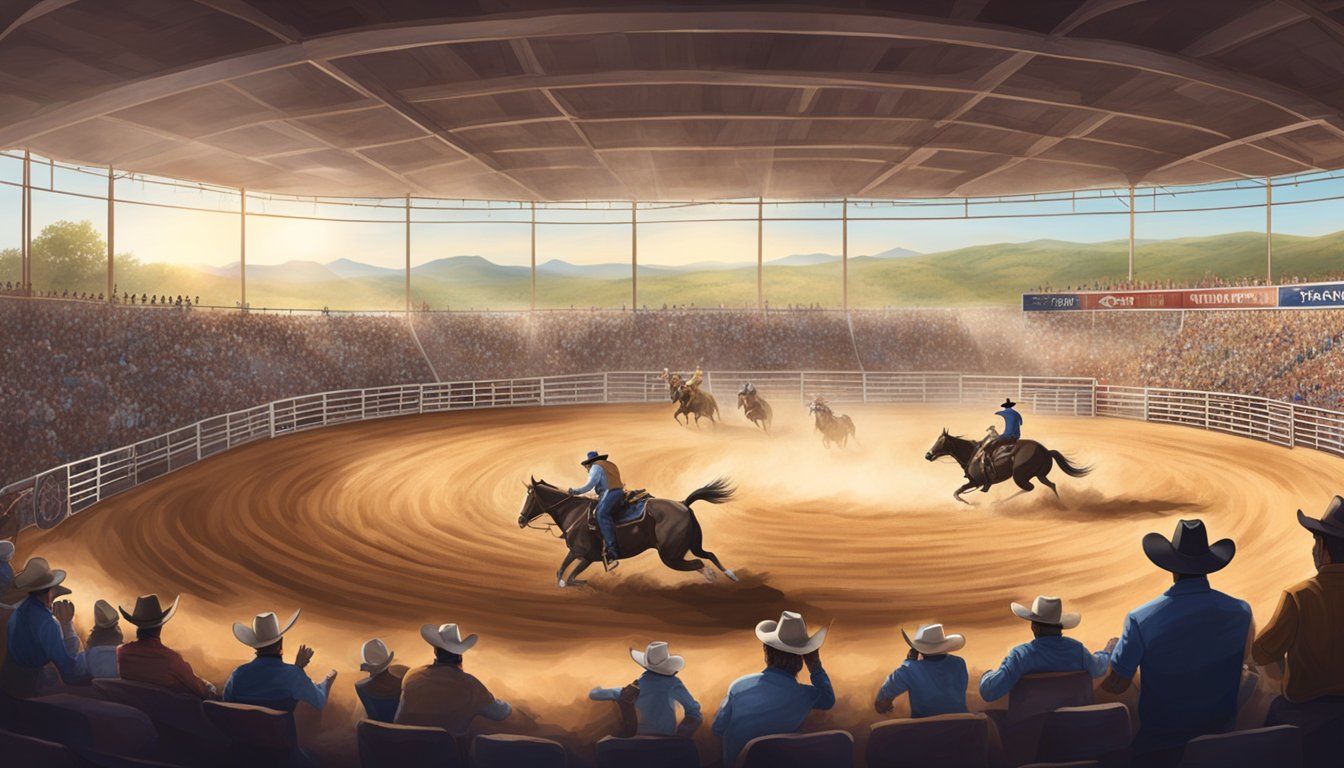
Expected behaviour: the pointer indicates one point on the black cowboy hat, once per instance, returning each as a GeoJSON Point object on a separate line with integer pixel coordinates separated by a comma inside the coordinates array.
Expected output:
{"type": "Point", "coordinates": [1008, 403]}
{"type": "Point", "coordinates": [593, 456]}
{"type": "Point", "coordinates": [1330, 524]}
{"type": "Point", "coordinates": [148, 612]}
{"type": "Point", "coordinates": [1189, 550]}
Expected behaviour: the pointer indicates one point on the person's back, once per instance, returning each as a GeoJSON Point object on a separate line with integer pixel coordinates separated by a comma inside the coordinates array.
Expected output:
{"type": "Point", "coordinates": [1048, 651]}
{"type": "Point", "coordinates": [381, 693]}
{"type": "Point", "coordinates": [934, 678]}
{"type": "Point", "coordinates": [442, 694]}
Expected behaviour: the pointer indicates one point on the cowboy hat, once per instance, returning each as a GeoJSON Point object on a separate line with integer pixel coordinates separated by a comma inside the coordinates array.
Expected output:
{"type": "Point", "coordinates": [593, 456]}
{"type": "Point", "coordinates": [1047, 610]}
{"type": "Point", "coordinates": [37, 575]}
{"type": "Point", "coordinates": [265, 630]}
{"type": "Point", "coordinates": [1008, 403]}
{"type": "Point", "coordinates": [6, 551]}
{"type": "Point", "coordinates": [104, 615]}
{"type": "Point", "coordinates": [789, 634]}
{"type": "Point", "coordinates": [375, 657]}
{"type": "Point", "coordinates": [656, 659]}
{"type": "Point", "coordinates": [148, 613]}
{"type": "Point", "coordinates": [447, 637]}
{"type": "Point", "coordinates": [930, 640]}
{"type": "Point", "coordinates": [1329, 524]}
{"type": "Point", "coordinates": [1189, 550]}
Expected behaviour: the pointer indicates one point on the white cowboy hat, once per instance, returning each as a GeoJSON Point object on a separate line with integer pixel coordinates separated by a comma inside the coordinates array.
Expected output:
{"type": "Point", "coordinates": [6, 551]}
{"type": "Point", "coordinates": [38, 575]}
{"type": "Point", "coordinates": [265, 630]}
{"type": "Point", "coordinates": [929, 639]}
{"type": "Point", "coordinates": [448, 637]}
{"type": "Point", "coordinates": [789, 634]}
{"type": "Point", "coordinates": [656, 658]}
{"type": "Point", "coordinates": [376, 657]}
{"type": "Point", "coordinates": [104, 615]}
{"type": "Point", "coordinates": [1047, 610]}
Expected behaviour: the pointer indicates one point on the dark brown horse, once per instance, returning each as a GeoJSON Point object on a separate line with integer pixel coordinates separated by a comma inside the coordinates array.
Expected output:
{"type": "Point", "coordinates": [1030, 460]}
{"type": "Point", "coordinates": [757, 409]}
{"type": "Point", "coordinates": [667, 526]}
{"type": "Point", "coordinates": [693, 401]}
{"type": "Point", "coordinates": [833, 429]}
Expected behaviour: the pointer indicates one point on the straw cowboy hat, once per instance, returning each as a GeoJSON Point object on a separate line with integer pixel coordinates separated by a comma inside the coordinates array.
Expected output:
{"type": "Point", "coordinates": [376, 657]}
{"type": "Point", "coordinates": [37, 575]}
{"type": "Point", "coordinates": [656, 658]}
{"type": "Point", "coordinates": [1047, 610]}
{"type": "Point", "coordinates": [1189, 550]}
{"type": "Point", "coordinates": [104, 615]}
{"type": "Point", "coordinates": [789, 634]}
{"type": "Point", "coordinates": [1008, 403]}
{"type": "Point", "coordinates": [930, 640]}
{"type": "Point", "coordinates": [148, 612]}
{"type": "Point", "coordinates": [593, 456]}
{"type": "Point", "coordinates": [1329, 524]}
{"type": "Point", "coordinates": [447, 637]}
{"type": "Point", "coordinates": [265, 630]}
{"type": "Point", "coordinates": [6, 551]}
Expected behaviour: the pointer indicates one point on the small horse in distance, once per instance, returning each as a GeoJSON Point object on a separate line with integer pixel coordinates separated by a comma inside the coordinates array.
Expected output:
{"type": "Point", "coordinates": [758, 411]}
{"type": "Point", "coordinates": [834, 429]}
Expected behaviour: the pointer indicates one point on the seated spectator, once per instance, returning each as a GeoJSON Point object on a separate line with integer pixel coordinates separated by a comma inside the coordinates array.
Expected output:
{"type": "Point", "coordinates": [1189, 644]}
{"type": "Point", "coordinates": [441, 694]}
{"type": "Point", "coordinates": [380, 692]}
{"type": "Point", "coordinates": [935, 679]}
{"type": "Point", "coordinates": [6, 569]}
{"type": "Point", "coordinates": [41, 632]}
{"type": "Point", "coordinates": [773, 701]}
{"type": "Point", "coordinates": [1303, 637]}
{"type": "Point", "coordinates": [649, 704]}
{"type": "Point", "coordinates": [267, 680]}
{"type": "Point", "coordinates": [148, 660]}
{"type": "Point", "coordinates": [100, 650]}
{"type": "Point", "coordinates": [1049, 651]}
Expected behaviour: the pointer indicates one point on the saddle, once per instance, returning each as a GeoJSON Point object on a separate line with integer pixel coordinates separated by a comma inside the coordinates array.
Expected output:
{"type": "Point", "coordinates": [999, 461]}
{"type": "Point", "coordinates": [632, 509]}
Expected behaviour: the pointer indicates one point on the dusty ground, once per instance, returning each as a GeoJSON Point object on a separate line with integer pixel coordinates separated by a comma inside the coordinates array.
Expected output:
{"type": "Point", "coordinates": [373, 529]}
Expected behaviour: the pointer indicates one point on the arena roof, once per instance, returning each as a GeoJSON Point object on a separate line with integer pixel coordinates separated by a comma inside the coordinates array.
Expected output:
{"type": "Point", "coordinates": [665, 100]}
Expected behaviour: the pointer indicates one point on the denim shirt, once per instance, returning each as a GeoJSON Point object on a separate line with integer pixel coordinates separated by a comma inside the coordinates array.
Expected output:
{"type": "Point", "coordinates": [36, 639]}
{"type": "Point", "coordinates": [768, 703]}
{"type": "Point", "coordinates": [937, 686]}
{"type": "Point", "coordinates": [1012, 423]}
{"type": "Point", "coordinates": [658, 697]}
{"type": "Point", "coordinates": [267, 680]}
{"type": "Point", "coordinates": [1052, 653]}
{"type": "Point", "coordinates": [597, 479]}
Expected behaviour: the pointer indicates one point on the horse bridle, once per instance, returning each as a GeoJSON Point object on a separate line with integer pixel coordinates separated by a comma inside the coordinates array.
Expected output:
{"type": "Point", "coordinates": [548, 527]}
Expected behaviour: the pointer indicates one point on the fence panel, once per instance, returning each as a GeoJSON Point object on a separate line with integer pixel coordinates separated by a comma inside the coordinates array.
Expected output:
{"type": "Point", "coordinates": [779, 386]}
{"type": "Point", "coordinates": [1121, 402]}
{"type": "Point", "coordinates": [573, 390]}
{"type": "Point", "coordinates": [913, 387]}
{"type": "Point", "coordinates": [636, 387]}
{"type": "Point", "coordinates": [835, 386]}
{"type": "Point", "coordinates": [1318, 428]}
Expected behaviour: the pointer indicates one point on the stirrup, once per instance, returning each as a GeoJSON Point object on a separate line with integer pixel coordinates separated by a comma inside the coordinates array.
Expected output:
{"type": "Point", "coordinates": [609, 563]}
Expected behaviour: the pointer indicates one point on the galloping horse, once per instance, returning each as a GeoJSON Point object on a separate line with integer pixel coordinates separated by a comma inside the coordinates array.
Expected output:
{"type": "Point", "coordinates": [693, 401]}
{"type": "Point", "coordinates": [668, 526]}
{"type": "Point", "coordinates": [833, 429]}
{"type": "Point", "coordinates": [758, 411]}
{"type": "Point", "coordinates": [1030, 460]}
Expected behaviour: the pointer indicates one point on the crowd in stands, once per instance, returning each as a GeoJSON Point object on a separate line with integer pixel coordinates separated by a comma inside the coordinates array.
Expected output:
{"type": "Point", "coordinates": [1196, 649]}
{"type": "Point", "coordinates": [1209, 280]}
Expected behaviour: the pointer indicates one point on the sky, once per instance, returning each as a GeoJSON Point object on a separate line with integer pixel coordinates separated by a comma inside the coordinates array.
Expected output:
{"type": "Point", "coordinates": [590, 233]}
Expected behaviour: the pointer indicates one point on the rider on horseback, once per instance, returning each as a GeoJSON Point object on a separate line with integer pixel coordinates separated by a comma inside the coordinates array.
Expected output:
{"type": "Point", "coordinates": [605, 478]}
{"type": "Point", "coordinates": [1012, 431]}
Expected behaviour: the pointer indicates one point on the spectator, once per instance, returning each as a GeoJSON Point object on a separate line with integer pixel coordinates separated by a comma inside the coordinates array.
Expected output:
{"type": "Point", "coordinates": [1048, 651]}
{"type": "Point", "coordinates": [380, 692]}
{"type": "Point", "coordinates": [935, 679]}
{"type": "Point", "coordinates": [648, 705]}
{"type": "Point", "coordinates": [1189, 644]}
{"type": "Point", "coordinates": [100, 650]}
{"type": "Point", "coordinates": [41, 632]}
{"type": "Point", "coordinates": [148, 660]}
{"type": "Point", "coordinates": [773, 701]}
{"type": "Point", "coordinates": [442, 694]}
{"type": "Point", "coordinates": [267, 680]}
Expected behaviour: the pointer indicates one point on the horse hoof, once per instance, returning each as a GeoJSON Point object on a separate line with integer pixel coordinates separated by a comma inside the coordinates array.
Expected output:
{"type": "Point", "coordinates": [561, 583]}
{"type": "Point", "coordinates": [731, 576]}
{"type": "Point", "coordinates": [708, 574]}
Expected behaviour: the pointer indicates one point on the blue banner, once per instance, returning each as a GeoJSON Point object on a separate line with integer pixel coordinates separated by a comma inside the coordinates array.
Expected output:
{"type": "Point", "coordinates": [1320, 295]}
{"type": "Point", "coordinates": [1050, 302]}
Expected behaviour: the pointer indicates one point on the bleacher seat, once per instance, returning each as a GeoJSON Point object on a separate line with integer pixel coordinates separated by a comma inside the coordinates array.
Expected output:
{"type": "Point", "coordinates": [18, 749]}
{"type": "Point", "coordinates": [384, 745]}
{"type": "Point", "coordinates": [952, 740]}
{"type": "Point", "coordinates": [507, 751]}
{"type": "Point", "coordinates": [1029, 701]}
{"type": "Point", "coordinates": [1279, 746]}
{"type": "Point", "coordinates": [1322, 729]}
{"type": "Point", "coordinates": [826, 749]}
{"type": "Point", "coordinates": [1098, 732]}
{"type": "Point", "coordinates": [166, 707]}
{"type": "Point", "coordinates": [88, 725]}
{"type": "Point", "coordinates": [257, 736]}
{"type": "Point", "coordinates": [647, 752]}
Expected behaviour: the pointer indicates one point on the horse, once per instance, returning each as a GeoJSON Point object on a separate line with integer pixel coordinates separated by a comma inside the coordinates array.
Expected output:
{"type": "Point", "coordinates": [755, 407]}
{"type": "Point", "coordinates": [668, 526]}
{"type": "Point", "coordinates": [693, 401]}
{"type": "Point", "coordinates": [1030, 460]}
{"type": "Point", "coordinates": [833, 429]}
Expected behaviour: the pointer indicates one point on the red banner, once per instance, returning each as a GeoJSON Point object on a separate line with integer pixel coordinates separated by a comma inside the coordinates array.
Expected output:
{"type": "Point", "coordinates": [1201, 298]}
{"type": "Point", "coordinates": [1133, 300]}
{"type": "Point", "coordinates": [1231, 298]}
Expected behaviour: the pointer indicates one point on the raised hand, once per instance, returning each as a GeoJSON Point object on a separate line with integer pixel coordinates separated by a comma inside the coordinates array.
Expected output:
{"type": "Point", "coordinates": [64, 611]}
{"type": "Point", "coordinates": [304, 656]}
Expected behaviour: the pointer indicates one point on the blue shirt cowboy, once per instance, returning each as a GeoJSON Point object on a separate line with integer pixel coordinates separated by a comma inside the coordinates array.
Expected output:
{"type": "Point", "coordinates": [605, 479]}
{"type": "Point", "coordinates": [1012, 421]}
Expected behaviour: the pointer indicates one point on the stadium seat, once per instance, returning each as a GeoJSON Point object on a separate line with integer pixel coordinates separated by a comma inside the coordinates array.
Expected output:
{"type": "Point", "coordinates": [506, 751]}
{"type": "Point", "coordinates": [384, 745]}
{"type": "Point", "coordinates": [647, 752]}
{"type": "Point", "coordinates": [1279, 746]}
{"type": "Point", "coordinates": [826, 749]}
{"type": "Point", "coordinates": [1097, 732]}
{"type": "Point", "coordinates": [256, 735]}
{"type": "Point", "coordinates": [1029, 701]}
{"type": "Point", "coordinates": [1322, 727]}
{"type": "Point", "coordinates": [954, 740]}
{"type": "Point", "coordinates": [173, 709]}
{"type": "Point", "coordinates": [88, 725]}
{"type": "Point", "coordinates": [21, 750]}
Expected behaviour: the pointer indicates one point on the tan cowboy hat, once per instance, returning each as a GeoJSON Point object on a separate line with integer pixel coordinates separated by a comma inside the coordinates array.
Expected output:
{"type": "Point", "coordinates": [656, 658]}
{"type": "Point", "coordinates": [448, 637]}
{"type": "Point", "coordinates": [149, 613]}
{"type": "Point", "coordinates": [1047, 610]}
{"type": "Point", "coordinates": [789, 634]}
{"type": "Point", "coordinates": [265, 630]}
{"type": "Point", "coordinates": [6, 551]}
{"type": "Point", "coordinates": [929, 639]}
{"type": "Point", "coordinates": [104, 615]}
{"type": "Point", "coordinates": [376, 657]}
{"type": "Point", "coordinates": [37, 575]}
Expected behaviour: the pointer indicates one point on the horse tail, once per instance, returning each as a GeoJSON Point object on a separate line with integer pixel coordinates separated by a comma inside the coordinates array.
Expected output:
{"type": "Point", "coordinates": [717, 492]}
{"type": "Point", "coordinates": [1068, 468]}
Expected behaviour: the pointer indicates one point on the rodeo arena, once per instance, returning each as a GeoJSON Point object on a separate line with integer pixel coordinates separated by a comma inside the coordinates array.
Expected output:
{"type": "Point", "coordinates": [396, 383]}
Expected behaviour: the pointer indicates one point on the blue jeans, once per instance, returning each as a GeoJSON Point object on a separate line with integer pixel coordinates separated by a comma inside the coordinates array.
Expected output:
{"type": "Point", "coordinates": [606, 517]}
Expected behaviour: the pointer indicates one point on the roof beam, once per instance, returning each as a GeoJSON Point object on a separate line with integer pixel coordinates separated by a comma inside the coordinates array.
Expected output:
{"type": "Point", "coordinates": [1239, 142]}
{"type": "Point", "coordinates": [245, 11]}
{"type": "Point", "coordinates": [1088, 11]}
{"type": "Point", "coordinates": [39, 9]}
{"type": "Point", "coordinates": [1261, 21]}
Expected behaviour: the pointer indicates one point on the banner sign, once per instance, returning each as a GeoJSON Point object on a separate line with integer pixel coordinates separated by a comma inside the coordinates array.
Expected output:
{"type": "Point", "coordinates": [1231, 298]}
{"type": "Point", "coordinates": [1258, 297]}
{"type": "Point", "coordinates": [1133, 300]}
{"type": "Point", "coordinates": [1321, 295]}
{"type": "Point", "coordinates": [1050, 302]}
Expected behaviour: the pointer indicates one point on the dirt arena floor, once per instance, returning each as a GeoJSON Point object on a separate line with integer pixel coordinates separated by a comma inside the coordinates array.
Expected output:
{"type": "Point", "coordinates": [373, 529]}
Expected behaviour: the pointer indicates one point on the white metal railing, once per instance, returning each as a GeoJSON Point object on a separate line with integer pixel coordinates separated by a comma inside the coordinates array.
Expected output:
{"type": "Point", "coordinates": [72, 488]}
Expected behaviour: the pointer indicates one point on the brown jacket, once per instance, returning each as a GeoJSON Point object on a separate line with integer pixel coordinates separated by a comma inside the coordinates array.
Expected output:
{"type": "Point", "coordinates": [444, 696]}
{"type": "Point", "coordinates": [1305, 632]}
{"type": "Point", "coordinates": [613, 474]}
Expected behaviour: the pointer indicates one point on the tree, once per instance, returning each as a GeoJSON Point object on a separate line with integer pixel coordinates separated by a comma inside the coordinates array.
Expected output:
{"type": "Point", "coordinates": [69, 255]}
{"type": "Point", "coordinates": [11, 265]}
